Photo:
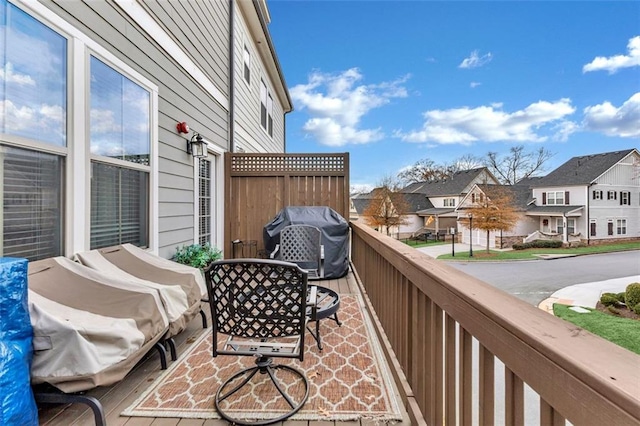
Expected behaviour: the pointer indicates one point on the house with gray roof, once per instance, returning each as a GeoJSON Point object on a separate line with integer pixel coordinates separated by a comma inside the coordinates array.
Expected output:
{"type": "Point", "coordinates": [445, 195]}
{"type": "Point", "coordinates": [588, 199]}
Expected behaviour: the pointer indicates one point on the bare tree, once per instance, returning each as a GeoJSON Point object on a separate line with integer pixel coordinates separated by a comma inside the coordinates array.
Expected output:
{"type": "Point", "coordinates": [427, 170]}
{"type": "Point", "coordinates": [492, 210]}
{"type": "Point", "coordinates": [517, 164]}
{"type": "Point", "coordinates": [387, 207]}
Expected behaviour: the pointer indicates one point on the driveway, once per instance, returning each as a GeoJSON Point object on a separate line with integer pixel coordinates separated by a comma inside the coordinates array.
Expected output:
{"type": "Point", "coordinates": [535, 280]}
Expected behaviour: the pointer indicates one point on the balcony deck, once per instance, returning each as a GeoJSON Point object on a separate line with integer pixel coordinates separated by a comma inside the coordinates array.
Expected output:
{"type": "Point", "coordinates": [118, 397]}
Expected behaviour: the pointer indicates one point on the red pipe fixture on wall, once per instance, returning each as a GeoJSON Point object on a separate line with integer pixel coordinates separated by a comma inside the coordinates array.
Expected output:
{"type": "Point", "coordinates": [182, 127]}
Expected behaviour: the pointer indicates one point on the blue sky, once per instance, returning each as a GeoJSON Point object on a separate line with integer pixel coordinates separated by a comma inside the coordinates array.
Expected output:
{"type": "Point", "coordinates": [393, 82]}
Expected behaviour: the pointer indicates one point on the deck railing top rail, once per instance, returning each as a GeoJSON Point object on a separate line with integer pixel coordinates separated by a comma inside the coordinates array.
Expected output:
{"type": "Point", "coordinates": [423, 304]}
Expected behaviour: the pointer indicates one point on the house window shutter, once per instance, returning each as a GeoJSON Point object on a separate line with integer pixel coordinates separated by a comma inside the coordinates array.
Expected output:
{"type": "Point", "coordinates": [544, 198]}
{"type": "Point", "coordinates": [621, 198]}
{"type": "Point", "coordinates": [566, 197]}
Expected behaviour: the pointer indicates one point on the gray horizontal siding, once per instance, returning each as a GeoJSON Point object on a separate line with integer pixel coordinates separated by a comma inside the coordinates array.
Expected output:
{"type": "Point", "coordinates": [200, 27]}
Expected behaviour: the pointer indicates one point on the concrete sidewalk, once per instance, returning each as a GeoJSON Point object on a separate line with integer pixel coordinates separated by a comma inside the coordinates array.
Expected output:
{"type": "Point", "coordinates": [587, 294]}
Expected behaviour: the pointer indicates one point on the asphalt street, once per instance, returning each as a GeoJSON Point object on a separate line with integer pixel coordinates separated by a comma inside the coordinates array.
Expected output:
{"type": "Point", "coordinates": [535, 280]}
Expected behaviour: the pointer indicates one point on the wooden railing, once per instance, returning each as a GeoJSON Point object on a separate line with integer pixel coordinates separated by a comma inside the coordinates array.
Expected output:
{"type": "Point", "coordinates": [450, 335]}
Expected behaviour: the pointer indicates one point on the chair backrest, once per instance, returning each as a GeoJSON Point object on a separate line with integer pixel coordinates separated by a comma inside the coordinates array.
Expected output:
{"type": "Point", "coordinates": [254, 300]}
{"type": "Point", "coordinates": [302, 244]}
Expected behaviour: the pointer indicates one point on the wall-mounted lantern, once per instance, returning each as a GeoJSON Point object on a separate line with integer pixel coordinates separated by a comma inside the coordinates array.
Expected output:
{"type": "Point", "coordinates": [197, 146]}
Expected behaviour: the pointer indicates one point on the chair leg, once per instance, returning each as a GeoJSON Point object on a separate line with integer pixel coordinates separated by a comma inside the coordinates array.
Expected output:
{"type": "Point", "coordinates": [172, 348]}
{"type": "Point", "coordinates": [264, 366]}
{"type": "Point", "coordinates": [204, 318]}
{"type": "Point", "coordinates": [64, 398]}
{"type": "Point", "coordinates": [163, 355]}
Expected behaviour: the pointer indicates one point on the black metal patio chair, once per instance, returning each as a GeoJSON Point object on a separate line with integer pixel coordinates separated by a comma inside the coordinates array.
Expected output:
{"type": "Point", "coordinates": [258, 309]}
{"type": "Point", "coordinates": [302, 245]}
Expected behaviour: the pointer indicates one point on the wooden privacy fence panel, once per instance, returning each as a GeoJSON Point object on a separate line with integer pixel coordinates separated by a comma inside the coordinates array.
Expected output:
{"type": "Point", "coordinates": [467, 349]}
{"type": "Point", "coordinates": [258, 186]}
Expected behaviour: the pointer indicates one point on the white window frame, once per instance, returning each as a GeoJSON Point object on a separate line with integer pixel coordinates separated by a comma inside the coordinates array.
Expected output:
{"type": "Point", "coordinates": [77, 187]}
{"type": "Point", "coordinates": [555, 198]}
{"type": "Point", "coordinates": [216, 158]}
{"type": "Point", "coordinates": [624, 198]}
{"type": "Point", "coordinates": [612, 195]}
{"type": "Point", "coordinates": [266, 102]}
{"type": "Point", "coordinates": [449, 202]}
{"type": "Point", "coordinates": [246, 63]}
{"type": "Point", "coordinates": [621, 225]}
{"type": "Point", "coordinates": [571, 224]}
{"type": "Point", "coordinates": [597, 194]}
{"type": "Point", "coordinates": [559, 228]}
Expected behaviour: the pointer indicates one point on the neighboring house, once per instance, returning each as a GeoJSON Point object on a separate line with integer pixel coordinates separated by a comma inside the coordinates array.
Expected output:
{"type": "Point", "coordinates": [445, 195]}
{"type": "Point", "coordinates": [413, 202]}
{"type": "Point", "coordinates": [521, 197]}
{"type": "Point", "coordinates": [592, 198]}
{"type": "Point", "coordinates": [92, 93]}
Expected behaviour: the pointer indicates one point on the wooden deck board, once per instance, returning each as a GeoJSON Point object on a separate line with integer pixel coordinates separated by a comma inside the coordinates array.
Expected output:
{"type": "Point", "coordinates": [116, 398]}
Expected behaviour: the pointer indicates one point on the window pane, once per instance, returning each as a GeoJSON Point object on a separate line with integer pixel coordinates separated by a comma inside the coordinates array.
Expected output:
{"type": "Point", "coordinates": [33, 89]}
{"type": "Point", "coordinates": [119, 206]}
{"type": "Point", "coordinates": [32, 201]}
{"type": "Point", "coordinates": [204, 213]}
{"type": "Point", "coordinates": [119, 115]}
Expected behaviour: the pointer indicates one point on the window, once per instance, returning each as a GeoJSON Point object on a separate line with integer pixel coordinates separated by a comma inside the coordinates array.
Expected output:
{"type": "Point", "coordinates": [597, 195]}
{"type": "Point", "coordinates": [32, 203]}
{"type": "Point", "coordinates": [270, 115]}
{"type": "Point", "coordinates": [571, 226]}
{"type": "Point", "coordinates": [36, 192]}
{"type": "Point", "coordinates": [266, 109]}
{"type": "Point", "coordinates": [610, 227]}
{"type": "Point", "coordinates": [559, 228]}
{"type": "Point", "coordinates": [247, 65]}
{"type": "Point", "coordinates": [33, 95]}
{"type": "Point", "coordinates": [450, 202]}
{"type": "Point", "coordinates": [592, 228]}
{"type": "Point", "coordinates": [119, 129]}
{"type": "Point", "coordinates": [621, 226]}
{"type": "Point", "coordinates": [555, 197]}
{"type": "Point", "coordinates": [612, 195]}
{"type": "Point", "coordinates": [204, 195]}
{"type": "Point", "coordinates": [625, 198]}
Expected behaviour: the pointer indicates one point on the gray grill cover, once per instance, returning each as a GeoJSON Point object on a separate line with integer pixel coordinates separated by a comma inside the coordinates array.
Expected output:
{"type": "Point", "coordinates": [335, 234]}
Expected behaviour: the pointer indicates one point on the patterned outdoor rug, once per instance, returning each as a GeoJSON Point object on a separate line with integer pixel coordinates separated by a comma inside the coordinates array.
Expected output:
{"type": "Point", "coordinates": [348, 380]}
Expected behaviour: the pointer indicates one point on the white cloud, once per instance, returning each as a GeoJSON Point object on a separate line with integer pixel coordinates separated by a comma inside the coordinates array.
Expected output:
{"type": "Point", "coordinates": [474, 84]}
{"type": "Point", "coordinates": [616, 62]}
{"type": "Point", "coordinates": [611, 121]}
{"type": "Point", "coordinates": [102, 121]}
{"type": "Point", "coordinates": [490, 124]}
{"type": "Point", "coordinates": [7, 74]}
{"type": "Point", "coordinates": [337, 104]}
{"type": "Point", "coordinates": [475, 60]}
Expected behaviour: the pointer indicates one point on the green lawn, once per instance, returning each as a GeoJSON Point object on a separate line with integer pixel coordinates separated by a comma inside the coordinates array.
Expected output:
{"type": "Point", "coordinates": [480, 255]}
{"type": "Point", "coordinates": [416, 244]}
{"type": "Point", "coordinates": [621, 331]}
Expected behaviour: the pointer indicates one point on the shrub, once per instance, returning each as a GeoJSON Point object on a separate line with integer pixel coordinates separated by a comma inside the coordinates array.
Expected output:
{"type": "Point", "coordinates": [608, 299]}
{"type": "Point", "coordinates": [636, 309]}
{"type": "Point", "coordinates": [620, 297]}
{"type": "Point", "coordinates": [538, 244]}
{"type": "Point", "coordinates": [614, 310]}
{"type": "Point", "coordinates": [196, 255]}
{"type": "Point", "coordinates": [632, 295]}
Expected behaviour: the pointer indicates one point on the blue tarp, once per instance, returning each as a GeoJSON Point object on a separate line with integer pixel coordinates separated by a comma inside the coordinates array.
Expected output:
{"type": "Point", "coordinates": [17, 405]}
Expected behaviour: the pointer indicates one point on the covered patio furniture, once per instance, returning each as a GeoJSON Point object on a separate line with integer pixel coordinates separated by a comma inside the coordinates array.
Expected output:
{"type": "Point", "coordinates": [258, 309]}
{"type": "Point", "coordinates": [90, 329]}
{"type": "Point", "coordinates": [181, 287]}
